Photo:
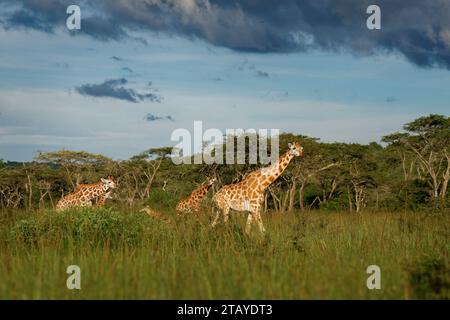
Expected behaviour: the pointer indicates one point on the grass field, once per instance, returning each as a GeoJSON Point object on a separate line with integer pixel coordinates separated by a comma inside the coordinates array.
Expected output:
{"type": "Point", "coordinates": [314, 255]}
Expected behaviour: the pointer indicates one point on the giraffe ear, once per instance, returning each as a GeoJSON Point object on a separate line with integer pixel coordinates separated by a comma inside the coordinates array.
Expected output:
{"type": "Point", "coordinates": [289, 145]}
{"type": "Point", "coordinates": [104, 180]}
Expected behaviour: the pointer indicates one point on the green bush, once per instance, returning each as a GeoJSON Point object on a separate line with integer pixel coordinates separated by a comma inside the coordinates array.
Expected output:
{"type": "Point", "coordinates": [91, 227]}
{"type": "Point", "coordinates": [430, 279]}
{"type": "Point", "coordinates": [160, 199]}
{"type": "Point", "coordinates": [337, 203]}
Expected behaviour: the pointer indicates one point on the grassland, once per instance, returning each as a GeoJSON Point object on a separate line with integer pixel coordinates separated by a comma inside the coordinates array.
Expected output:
{"type": "Point", "coordinates": [316, 255]}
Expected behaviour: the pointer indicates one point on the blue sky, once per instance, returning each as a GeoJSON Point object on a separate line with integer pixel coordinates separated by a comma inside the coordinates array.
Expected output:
{"type": "Point", "coordinates": [334, 95]}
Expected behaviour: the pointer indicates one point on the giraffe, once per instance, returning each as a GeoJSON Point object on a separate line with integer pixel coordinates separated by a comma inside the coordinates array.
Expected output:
{"type": "Point", "coordinates": [192, 202]}
{"type": "Point", "coordinates": [248, 194]}
{"type": "Point", "coordinates": [155, 214]}
{"type": "Point", "coordinates": [101, 200]}
{"type": "Point", "coordinates": [84, 194]}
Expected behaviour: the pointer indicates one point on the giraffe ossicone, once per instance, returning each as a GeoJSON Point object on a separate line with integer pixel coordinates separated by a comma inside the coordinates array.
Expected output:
{"type": "Point", "coordinates": [248, 194]}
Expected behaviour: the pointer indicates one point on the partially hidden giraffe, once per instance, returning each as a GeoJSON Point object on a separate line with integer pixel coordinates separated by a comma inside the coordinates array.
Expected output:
{"type": "Point", "coordinates": [84, 194]}
{"type": "Point", "coordinates": [191, 204]}
{"type": "Point", "coordinates": [101, 200]}
{"type": "Point", "coordinates": [248, 194]}
{"type": "Point", "coordinates": [154, 214]}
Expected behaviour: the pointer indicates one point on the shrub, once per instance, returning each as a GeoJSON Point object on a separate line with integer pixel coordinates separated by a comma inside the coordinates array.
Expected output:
{"type": "Point", "coordinates": [160, 199]}
{"type": "Point", "coordinates": [430, 279]}
{"type": "Point", "coordinates": [91, 227]}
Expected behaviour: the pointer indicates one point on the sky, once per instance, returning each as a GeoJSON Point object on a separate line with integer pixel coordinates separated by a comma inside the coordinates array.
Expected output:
{"type": "Point", "coordinates": [139, 69]}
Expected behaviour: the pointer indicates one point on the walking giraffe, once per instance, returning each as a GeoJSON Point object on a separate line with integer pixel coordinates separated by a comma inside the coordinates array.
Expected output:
{"type": "Point", "coordinates": [192, 203]}
{"type": "Point", "coordinates": [84, 194]}
{"type": "Point", "coordinates": [248, 194]}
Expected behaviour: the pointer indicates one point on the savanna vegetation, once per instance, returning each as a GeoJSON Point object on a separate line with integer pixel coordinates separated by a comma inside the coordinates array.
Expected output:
{"type": "Point", "coordinates": [335, 211]}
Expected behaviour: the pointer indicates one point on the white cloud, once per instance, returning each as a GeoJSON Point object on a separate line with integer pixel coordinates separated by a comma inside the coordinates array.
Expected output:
{"type": "Point", "coordinates": [56, 119]}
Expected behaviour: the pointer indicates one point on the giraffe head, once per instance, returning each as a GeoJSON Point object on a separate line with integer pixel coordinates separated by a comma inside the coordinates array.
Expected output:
{"type": "Point", "coordinates": [108, 183]}
{"type": "Point", "coordinates": [295, 149]}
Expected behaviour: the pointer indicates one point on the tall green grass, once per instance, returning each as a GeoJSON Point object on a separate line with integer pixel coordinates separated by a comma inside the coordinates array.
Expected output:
{"type": "Point", "coordinates": [129, 255]}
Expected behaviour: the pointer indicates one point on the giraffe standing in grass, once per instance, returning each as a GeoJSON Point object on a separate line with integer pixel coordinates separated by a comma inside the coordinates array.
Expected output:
{"type": "Point", "coordinates": [192, 203]}
{"type": "Point", "coordinates": [84, 194]}
{"type": "Point", "coordinates": [155, 214]}
{"type": "Point", "coordinates": [248, 194]}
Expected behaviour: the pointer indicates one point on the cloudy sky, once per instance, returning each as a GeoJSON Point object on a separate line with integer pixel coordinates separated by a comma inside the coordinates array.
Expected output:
{"type": "Point", "coordinates": [139, 69]}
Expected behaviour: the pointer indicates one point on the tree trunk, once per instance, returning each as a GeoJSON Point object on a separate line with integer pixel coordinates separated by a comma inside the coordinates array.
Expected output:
{"type": "Point", "coordinates": [350, 202]}
{"type": "Point", "coordinates": [30, 190]}
{"type": "Point", "coordinates": [300, 196]}
{"type": "Point", "coordinates": [359, 196]}
{"type": "Point", "coordinates": [292, 196]}
{"type": "Point", "coordinates": [276, 201]}
{"type": "Point", "coordinates": [285, 201]}
{"type": "Point", "coordinates": [445, 178]}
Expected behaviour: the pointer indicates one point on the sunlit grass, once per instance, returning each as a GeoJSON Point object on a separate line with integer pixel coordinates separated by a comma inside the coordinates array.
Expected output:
{"type": "Point", "coordinates": [129, 255]}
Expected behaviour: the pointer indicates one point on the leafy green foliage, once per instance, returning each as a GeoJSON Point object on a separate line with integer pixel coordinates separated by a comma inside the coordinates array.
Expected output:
{"type": "Point", "coordinates": [410, 171]}
{"type": "Point", "coordinates": [93, 227]}
{"type": "Point", "coordinates": [429, 278]}
{"type": "Point", "coordinates": [160, 199]}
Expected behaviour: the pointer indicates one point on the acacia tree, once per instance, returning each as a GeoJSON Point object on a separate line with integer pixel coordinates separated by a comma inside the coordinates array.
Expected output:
{"type": "Point", "coordinates": [75, 164]}
{"type": "Point", "coordinates": [301, 172]}
{"type": "Point", "coordinates": [428, 139]}
{"type": "Point", "coordinates": [137, 175]}
{"type": "Point", "coordinates": [12, 192]}
{"type": "Point", "coordinates": [359, 168]}
{"type": "Point", "coordinates": [407, 157]}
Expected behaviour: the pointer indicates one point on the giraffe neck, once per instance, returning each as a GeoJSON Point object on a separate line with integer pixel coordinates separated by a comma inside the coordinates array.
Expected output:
{"type": "Point", "coordinates": [284, 161]}
{"type": "Point", "coordinates": [271, 173]}
{"type": "Point", "coordinates": [202, 191]}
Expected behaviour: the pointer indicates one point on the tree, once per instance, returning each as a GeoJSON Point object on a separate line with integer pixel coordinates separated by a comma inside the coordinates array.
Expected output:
{"type": "Point", "coordinates": [428, 139]}
{"type": "Point", "coordinates": [74, 163]}
{"type": "Point", "coordinates": [359, 168]}
{"type": "Point", "coordinates": [138, 174]}
{"type": "Point", "coordinates": [318, 158]}
{"type": "Point", "coordinates": [408, 160]}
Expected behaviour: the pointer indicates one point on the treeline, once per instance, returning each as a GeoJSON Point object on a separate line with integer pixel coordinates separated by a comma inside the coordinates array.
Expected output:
{"type": "Point", "coordinates": [410, 171]}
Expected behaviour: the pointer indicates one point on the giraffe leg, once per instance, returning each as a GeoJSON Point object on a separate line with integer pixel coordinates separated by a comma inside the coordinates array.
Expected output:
{"type": "Point", "coordinates": [259, 221]}
{"type": "Point", "coordinates": [216, 218]}
{"type": "Point", "coordinates": [249, 223]}
{"type": "Point", "coordinates": [226, 214]}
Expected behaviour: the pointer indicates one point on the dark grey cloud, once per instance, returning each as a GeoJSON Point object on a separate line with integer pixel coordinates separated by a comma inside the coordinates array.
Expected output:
{"type": "Point", "coordinates": [151, 117]}
{"type": "Point", "coordinates": [262, 74]}
{"type": "Point", "coordinates": [245, 65]}
{"type": "Point", "coordinates": [114, 88]}
{"type": "Point", "coordinates": [62, 65]}
{"type": "Point", "coordinates": [418, 29]}
{"type": "Point", "coordinates": [391, 99]}
{"type": "Point", "coordinates": [24, 18]}
{"type": "Point", "coordinates": [116, 58]}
